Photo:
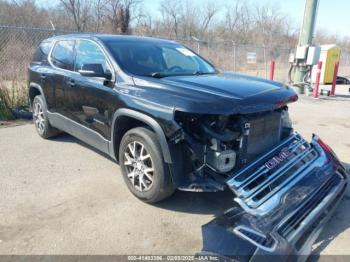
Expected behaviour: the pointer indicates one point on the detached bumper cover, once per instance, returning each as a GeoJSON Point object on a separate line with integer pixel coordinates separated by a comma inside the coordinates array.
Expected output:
{"type": "Point", "coordinates": [283, 200]}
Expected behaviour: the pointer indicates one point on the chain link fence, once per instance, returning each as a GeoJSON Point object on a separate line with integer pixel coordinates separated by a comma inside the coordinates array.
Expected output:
{"type": "Point", "coordinates": [18, 44]}
{"type": "Point", "coordinates": [17, 47]}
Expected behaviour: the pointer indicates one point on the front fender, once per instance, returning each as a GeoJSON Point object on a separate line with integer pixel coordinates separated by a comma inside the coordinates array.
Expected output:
{"type": "Point", "coordinates": [147, 120]}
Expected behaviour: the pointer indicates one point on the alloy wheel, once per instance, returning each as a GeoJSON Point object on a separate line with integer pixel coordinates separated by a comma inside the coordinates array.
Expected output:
{"type": "Point", "coordinates": [139, 166]}
{"type": "Point", "coordinates": [39, 119]}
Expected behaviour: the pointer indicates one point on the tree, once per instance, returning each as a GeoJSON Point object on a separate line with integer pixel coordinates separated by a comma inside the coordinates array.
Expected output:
{"type": "Point", "coordinates": [208, 12]}
{"type": "Point", "coordinates": [22, 13]}
{"type": "Point", "coordinates": [98, 6]}
{"type": "Point", "coordinates": [80, 12]}
{"type": "Point", "coordinates": [120, 13]}
{"type": "Point", "coordinates": [237, 23]}
{"type": "Point", "coordinates": [144, 24]}
{"type": "Point", "coordinates": [171, 16]}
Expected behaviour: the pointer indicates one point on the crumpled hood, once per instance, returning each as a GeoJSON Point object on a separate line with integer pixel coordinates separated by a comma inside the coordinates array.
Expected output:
{"type": "Point", "coordinates": [220, 93]}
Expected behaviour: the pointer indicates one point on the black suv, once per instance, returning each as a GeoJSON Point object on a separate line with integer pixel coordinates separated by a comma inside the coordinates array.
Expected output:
{"type": "Point", "coordinates": [173, 121]}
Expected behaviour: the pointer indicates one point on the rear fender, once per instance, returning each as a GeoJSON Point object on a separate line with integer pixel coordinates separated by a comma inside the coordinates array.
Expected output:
{"type": "Point", "coordinates": [33, 88]}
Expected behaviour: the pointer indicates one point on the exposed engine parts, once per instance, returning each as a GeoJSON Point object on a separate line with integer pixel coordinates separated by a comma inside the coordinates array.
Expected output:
{"type": "Point", "coordinates": [226, 143]}
{"type": "Point", "coordinates": [223, 161]}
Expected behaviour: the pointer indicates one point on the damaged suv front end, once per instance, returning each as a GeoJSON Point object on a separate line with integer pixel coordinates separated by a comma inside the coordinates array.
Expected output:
{"type": "Point", "coordinates": [233, 131]}
{"type": "Point", "coordinates": [227, 143]}
{"type": "Point", "coordinates": [285, 188]}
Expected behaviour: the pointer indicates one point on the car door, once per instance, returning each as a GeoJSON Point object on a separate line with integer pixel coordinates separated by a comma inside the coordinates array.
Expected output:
{"type": "Point", "coordinates": [62, 62]}
{"type": "Point", "coordinates": [91, 96]}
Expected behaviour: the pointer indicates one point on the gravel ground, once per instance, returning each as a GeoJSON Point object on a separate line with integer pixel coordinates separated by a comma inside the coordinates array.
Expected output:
{"type": "Point", "coordinates": [60, 196]}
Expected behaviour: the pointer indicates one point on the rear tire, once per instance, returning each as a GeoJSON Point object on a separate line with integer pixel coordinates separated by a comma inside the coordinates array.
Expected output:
{"type": "Point", "coordinates": [144, 170]}
{"type": "Point", "coordinates": [40, 119]}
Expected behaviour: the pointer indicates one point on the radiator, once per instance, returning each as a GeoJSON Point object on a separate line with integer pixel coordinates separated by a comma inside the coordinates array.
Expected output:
{"type": "Point", "coordinates": [264, 133]}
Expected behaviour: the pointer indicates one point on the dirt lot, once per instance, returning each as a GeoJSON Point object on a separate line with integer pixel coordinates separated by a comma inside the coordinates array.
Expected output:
{"type": "Point", "coordinates": [61, 197]}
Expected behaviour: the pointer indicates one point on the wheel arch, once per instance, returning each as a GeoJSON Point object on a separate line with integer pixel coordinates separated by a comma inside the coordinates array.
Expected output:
{"type": "Point", "coordinates": [34, 90]}
{"type": "Point", "coordinates": [124, 119]}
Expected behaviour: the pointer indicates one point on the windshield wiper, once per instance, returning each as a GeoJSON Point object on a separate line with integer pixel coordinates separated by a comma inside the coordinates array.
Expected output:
{"type": "Point", "coordinates": [157, 75]}
{"type": "Point", "coordinates": [161, 74]}
{"type": "Point", "coordinates": [203, 73]}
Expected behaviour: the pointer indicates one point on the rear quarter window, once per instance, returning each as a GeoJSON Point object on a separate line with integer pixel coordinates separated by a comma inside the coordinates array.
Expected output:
{"type": "Point", "coordinates": [42, 52]}
{"type": "Point", "coordinates": [62, 55]}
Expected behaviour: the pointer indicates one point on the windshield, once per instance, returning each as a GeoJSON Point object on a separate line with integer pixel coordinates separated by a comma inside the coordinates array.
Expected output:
{"type": "Point", "coordinates": [158, 59]}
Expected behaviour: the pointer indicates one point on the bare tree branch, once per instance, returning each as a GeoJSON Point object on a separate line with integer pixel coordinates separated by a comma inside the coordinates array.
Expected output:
{"type": "Point", "coordinates": [79, 10]}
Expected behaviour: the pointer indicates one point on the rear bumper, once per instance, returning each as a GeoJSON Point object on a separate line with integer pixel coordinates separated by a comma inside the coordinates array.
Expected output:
{"type": "Point", "coordinates": [281, 206]}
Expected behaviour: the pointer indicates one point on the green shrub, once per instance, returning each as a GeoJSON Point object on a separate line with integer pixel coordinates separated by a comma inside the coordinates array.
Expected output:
{"type": "Point", "coordinates": [5, 111]}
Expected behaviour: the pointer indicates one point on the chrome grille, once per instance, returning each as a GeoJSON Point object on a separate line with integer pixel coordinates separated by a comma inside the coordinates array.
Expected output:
{"type": "Point", "coordinates": [288, 228]}
{"type": "Point", "coordinates": [257, 183]}
{"type": "Point", "coordinates": [258, 239]}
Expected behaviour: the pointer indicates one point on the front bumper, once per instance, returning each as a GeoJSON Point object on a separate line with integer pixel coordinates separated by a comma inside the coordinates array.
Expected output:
{"type": "Point", "coordinates": [283, 200]}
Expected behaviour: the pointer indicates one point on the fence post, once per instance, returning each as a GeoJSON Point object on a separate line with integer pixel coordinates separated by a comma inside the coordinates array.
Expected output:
{"type": "Point", "coordinates": [198, 43]}
{"type": "Point", "coordinates": [335, 74]}
{"type": "Point", "coordinates": [318, 76]}
{"type": "Point", "coordinates": [53, 28]}
{"type": "Point", "coordinates": [234, 56]}
{"type": "Point", "coordinates": [265, 62]}
{"type": "Point", "coordinates": [272, 69]}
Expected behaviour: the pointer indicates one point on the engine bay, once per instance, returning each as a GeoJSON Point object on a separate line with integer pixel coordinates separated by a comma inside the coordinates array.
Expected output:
{"type": "Point", "coordinates": [226, 143]}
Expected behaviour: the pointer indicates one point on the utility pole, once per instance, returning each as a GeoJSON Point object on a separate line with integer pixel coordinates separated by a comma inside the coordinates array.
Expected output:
{"type": "Point", "coordinates": [306, 36]}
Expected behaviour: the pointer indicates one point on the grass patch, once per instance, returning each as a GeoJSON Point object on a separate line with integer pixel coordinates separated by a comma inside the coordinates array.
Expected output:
{"type": "Point", "coordinates": [13, 94]}
{"type": "Point", "coordinates": [5, 111]}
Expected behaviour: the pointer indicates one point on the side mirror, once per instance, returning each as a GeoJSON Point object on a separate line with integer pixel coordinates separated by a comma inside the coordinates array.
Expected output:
{"type": "Point", "coordinates": [95, 70]}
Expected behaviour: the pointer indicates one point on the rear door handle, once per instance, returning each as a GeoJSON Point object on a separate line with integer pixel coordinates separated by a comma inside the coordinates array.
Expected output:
{"type": "Point", "coordinates": [71, 83]}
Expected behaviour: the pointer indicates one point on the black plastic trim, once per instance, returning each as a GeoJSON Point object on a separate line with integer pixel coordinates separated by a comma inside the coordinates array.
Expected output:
{"type": "Point", "coordinates": [79, 131]}
{"type": "Point", "coordinates": [147, 120]}
{"type": "Point", "coordinates": [36, 86]}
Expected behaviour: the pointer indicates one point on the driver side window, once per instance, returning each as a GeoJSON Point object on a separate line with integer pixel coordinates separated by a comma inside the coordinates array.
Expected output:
{"type": "Point", "coordinates": [88, 53]}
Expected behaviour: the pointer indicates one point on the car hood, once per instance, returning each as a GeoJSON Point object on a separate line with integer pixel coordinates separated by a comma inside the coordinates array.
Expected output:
{"type": "Point", "coordinates": [220, 93]}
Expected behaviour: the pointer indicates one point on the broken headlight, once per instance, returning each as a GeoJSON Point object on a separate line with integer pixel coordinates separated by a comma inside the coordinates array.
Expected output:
{"type": "Point", "coordinates": [286, 124]}
{"type": "Point", "coordinates": [285, 119]}
{"type": "Point", "coordinates": [214, 134]}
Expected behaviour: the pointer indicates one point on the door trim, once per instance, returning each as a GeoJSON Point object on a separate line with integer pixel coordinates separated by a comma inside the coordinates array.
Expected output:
{"type": "Point", "coordinates": [79, 131]}
{"type": "Point", "coordinates": [96, 140]}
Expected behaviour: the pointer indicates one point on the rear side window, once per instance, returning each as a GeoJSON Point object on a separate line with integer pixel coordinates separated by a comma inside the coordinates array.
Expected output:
{"type": "Point", "coordinates": [63, 54]}
{"type": "Point", "coordinates": [42, 52]}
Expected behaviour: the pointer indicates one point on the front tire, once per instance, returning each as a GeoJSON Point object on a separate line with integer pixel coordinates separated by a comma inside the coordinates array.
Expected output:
{"type": "Point", "coordinates": [144, 170]}
{"type": "Point", "coordinates": [40, 119]}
